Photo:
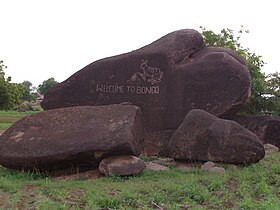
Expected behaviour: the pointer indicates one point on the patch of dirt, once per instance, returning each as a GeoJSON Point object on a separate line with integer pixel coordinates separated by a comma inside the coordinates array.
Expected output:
{"type": "Point", "coordinates": [75, 198]}
{"type": "Point", "coordinates": [28, 197]}
{"type": "Point", "coordinates": [232, 185]}
{"type": "Point", "coordinates": [3, 200]}
{"type": "Point", "coordinates": [228, 205]}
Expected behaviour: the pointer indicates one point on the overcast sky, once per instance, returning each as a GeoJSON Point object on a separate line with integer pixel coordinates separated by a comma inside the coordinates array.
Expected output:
{"type": "Point", "coordinates": [40, 39]}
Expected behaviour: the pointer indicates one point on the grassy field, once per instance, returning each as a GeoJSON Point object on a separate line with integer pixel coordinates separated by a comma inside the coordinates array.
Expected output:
{"type": "Point", "coordinates": [256, 186]}
{"type": "Point", "coordinates": [7, 118]}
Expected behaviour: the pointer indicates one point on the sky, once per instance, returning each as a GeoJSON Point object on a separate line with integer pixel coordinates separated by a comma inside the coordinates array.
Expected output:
{"type": "Point", "coordinates": [40, 39]}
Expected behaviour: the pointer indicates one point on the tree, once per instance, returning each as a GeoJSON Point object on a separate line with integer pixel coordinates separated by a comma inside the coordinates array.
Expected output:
{"type": "Point", "coordinates": [9, 92]}
{"type": "Point", "coordinates": [26, 88]}
{"type": "Point", "coordinates": [273, 93]}
{"type": "Point", "coordinates": [257, 104]}
{"type": "Point", "coordinates": [2, 67]}
{"type": "Point", "coordinates": [42, 88]}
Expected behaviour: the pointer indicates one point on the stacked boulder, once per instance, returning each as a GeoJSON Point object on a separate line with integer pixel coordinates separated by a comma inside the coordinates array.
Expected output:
{"type": "Point", "coordinates": [73, 137]}
{"type": "Point", "coordinates": [165, 80]}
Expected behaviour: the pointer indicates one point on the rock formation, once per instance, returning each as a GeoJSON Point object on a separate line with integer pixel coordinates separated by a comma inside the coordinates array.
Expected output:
{"type": "Point", "coordinates": [205, 137]}
{"type": "Point", "coordinates": [72, 137]}
{"type": "Point", "coordinates": [267, 128]}
{"type": "Point", "coordinates": [166, 79]}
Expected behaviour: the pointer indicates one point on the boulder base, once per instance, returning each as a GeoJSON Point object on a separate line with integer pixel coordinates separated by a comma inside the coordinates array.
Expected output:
{"type": "Point", "coordinates": [204, 137]}
{"type": "Point", "coordinates": [72, 137]}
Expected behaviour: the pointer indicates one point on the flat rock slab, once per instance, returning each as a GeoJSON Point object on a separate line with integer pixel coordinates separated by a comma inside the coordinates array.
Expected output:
{"type": "Point", "coordinates": [121, 166]}
{"type": "Point", "coordinates": [166, 79]}
{"type": "Point", "coordinates": [205, 137]}
{"type": "Point", "coordinates": [72, 137]}
{"type": "Point", "coordinates": [267, 128]}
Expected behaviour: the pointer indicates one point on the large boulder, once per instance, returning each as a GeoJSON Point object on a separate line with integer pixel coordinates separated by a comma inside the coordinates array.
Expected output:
{"type": "Point", "coordinates": [156, 141]}
{"type": "Point", "coordinates": [72, 137]}
{"type": "Point", "coordinates": [267, 128]}
{"type": "Point", "coordinates": [205, 137]}
{"type": "Point", "coordinates": [166, 79]}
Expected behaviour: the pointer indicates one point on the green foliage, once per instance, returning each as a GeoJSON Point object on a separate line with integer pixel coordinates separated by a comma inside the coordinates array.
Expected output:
{"type": "Point", "coordinates": [9, 92]}
{"type": "Point", "coordinates": [42, 88]}
{"type": "Point", "coordinates": [7, 118]}
{"type": "Point", "coordinates": [258, 103]}
{"type": "Point", "coordinates": [242, 187]}
{"type": "Point", "coordinates": [273, 91]}
{"type": "Point", "coordinates": [26, 88]}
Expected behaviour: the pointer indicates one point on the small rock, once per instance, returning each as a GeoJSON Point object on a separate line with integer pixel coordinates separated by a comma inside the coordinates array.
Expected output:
{"type": "Point", "coordinates": [216, 169]}
{"type": "Point", "coordinates": [156, 167]}
{"type": "Point", "coordinates": [269, 148]}
{"type": "Point", "coordinates": [206, 166]}
{"type": "Point", "coordinates": [121, 165]}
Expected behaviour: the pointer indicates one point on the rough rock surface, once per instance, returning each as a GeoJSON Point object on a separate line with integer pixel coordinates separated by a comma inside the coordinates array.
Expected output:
{"type": "Point", "coordinates": [206, 166]}
{"type": "Point", "coordinates": [121, 166]}
{"type": "Point", "coordinates": [217, 169]}
{"type": "Point", "coordinates": [267, 128]}
{"type": "Point", "coordinates": [204, 137]}
{"type": "Point", "coordinates": [72, 137]}
{"type": "Point", "coordinates": [166, 79]}
{"type": "Point", "coordinates": [269, 148]}
{"type": "Point", "coordinates": [156, 141]}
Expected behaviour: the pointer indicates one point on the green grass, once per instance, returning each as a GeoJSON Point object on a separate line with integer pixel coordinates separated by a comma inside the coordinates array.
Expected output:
{"type": "Point", "coordinates": [256, 186]}
{"type": "Point", "coordinates": [252, 187]}
{"type": "Point", "coordinates": [7, 118]}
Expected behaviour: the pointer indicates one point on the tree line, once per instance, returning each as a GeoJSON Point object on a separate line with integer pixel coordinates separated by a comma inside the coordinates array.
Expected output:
{"type": "Point", "coordinates": [12, 94]}
{"type": "Point", "coordinates": [265, 97]}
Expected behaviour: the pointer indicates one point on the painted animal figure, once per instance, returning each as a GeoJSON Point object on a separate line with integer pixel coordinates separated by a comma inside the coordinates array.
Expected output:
{"type": "Point", "coordinates": [152, 75]}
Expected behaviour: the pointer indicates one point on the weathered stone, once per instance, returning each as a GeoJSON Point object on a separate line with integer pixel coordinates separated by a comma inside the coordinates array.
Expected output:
{"type": "Point", "coordinates": [216, 169]}
{"type": "Point", "coordinates": [156, 141]}
{"type": "Point", "coordinates": [156, 167]}
{"type": "Point", "coordinates": [121, 166]}
{"type": "Point", "coordinates": [204, 137]}
{"type": "Point", "coordinates": [269, 148]}
{"type": "Point", "coordinates": [72, 137]}
{"type": "Point", "coordinates": [166, 79]}
{"type": "Point", "coordinates": [206, 166]}
{"type": "Point", "coordinates": [267, 128]}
